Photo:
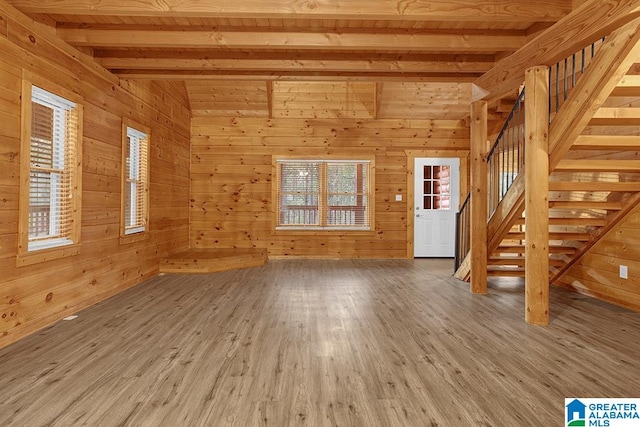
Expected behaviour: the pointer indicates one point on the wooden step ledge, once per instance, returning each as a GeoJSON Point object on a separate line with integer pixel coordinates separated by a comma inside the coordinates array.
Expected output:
{"type": "Point", "coordinates": [616, 116]}
{"type": "Point", "coordinates": [594, 186]}
{"type": "Point", "coordinates": [520, 249]}
{"type": "Point", "coordinates": [495, 271]}
{"type": "Point", "coordinates": [607, 142]}
{"type": "Point", "coordinates": [519, 261]}
{"type": "Point", "coordinates": [628, 86]}
{"type": "Point", "coordinates": [568, 165]}
{"type": "Point", "coordinates": [213, 260]}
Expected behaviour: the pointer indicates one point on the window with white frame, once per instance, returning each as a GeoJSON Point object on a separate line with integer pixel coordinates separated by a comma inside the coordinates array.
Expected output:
{"type": "Point", "coordinates": [53, 150]}
{"type": "Point", "coordinates": [323, 194]}
{"type": "Point", "coordinates": [135, 180]}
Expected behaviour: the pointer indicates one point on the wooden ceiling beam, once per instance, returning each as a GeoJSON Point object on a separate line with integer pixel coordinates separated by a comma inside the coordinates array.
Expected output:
{"type": "Point", "coordinates": [432, 10]}
{"type": "Point", "coordinates": [589, 22]}
{"type": "Point", "coordinates": [291, 54]}
{"type": "Point", "coordinates": [293, 76]}
{"type": "Point", "coordinates": [354, 65]}
{"type": "Point", "coordinates": [369, 41]}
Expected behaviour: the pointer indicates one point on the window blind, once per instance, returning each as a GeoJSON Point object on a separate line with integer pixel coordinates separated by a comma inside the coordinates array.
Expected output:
{"type": "Point", "coordinates": [135, 185]}
{"type": "Point", "coordinates": [323, 194]}
{"type": "Point", "coordinates": [54, 124]}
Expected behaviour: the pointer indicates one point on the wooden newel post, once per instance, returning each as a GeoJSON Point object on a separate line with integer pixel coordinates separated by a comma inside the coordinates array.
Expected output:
{"type": "Point", "coordinates": [479, 147]}
{"type": "Point", "coordinates": [537, 195]}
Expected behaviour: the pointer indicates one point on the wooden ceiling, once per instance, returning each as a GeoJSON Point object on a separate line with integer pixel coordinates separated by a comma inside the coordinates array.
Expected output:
{"type": "Point", "coordinates": [375, 40]}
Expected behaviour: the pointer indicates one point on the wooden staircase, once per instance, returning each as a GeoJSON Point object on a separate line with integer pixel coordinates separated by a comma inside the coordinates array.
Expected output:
{"type": "Point", "coordinates": [594, 185]}
{"type": "Point", "coordinates": [594, 166]}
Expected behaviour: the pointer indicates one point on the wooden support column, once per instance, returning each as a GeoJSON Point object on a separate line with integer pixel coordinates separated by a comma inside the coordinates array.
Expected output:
{"type": "Point", "coordinates": [479, 147]}
{"type": "Point", "coordinates": [537, 195]}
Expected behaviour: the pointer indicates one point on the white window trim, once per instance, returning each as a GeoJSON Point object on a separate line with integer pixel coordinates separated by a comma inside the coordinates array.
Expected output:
{"type": "Point", "coordinates": [57, 103]}
{"type": "Point", "coordinates": [37, 245]}
{"type": "Point", "coordinates": [132, 131]}
{"type": "Point", "coordinates": [135, 230]}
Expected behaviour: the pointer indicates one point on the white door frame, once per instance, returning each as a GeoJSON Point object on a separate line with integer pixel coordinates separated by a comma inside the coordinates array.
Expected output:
{"type": "Point", "coordinates": [463, 155]}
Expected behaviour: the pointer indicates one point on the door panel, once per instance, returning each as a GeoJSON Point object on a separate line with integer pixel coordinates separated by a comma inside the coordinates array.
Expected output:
{"type": "Point", "coordinates": [437, 194]}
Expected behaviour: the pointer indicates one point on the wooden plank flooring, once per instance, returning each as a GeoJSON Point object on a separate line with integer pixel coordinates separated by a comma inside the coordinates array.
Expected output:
{"type": "Point", "coordinates": [320, 342]}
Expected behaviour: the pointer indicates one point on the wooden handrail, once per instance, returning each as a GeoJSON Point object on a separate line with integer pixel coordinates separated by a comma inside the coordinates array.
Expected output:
{"type": "Point", "coordinates": [510, 140]}
{"type": "Point", "coordinates": [588, 23]}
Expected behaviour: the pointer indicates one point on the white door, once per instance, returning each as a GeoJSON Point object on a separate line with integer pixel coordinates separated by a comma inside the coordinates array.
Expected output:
{"type": "Point", "coordinates": [437, 188]}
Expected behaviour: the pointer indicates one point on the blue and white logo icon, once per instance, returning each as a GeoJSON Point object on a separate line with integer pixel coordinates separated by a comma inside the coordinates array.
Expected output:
{"type": "Point", "coordinates": [576, 411]}
{"type": "Point", "coordinates": [602, 412]}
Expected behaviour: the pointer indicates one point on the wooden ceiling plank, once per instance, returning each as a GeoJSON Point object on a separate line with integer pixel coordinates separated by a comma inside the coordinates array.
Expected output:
{"type": "Point", "coordinates": [589, 22]}
{"type": "Point", "coordinates": [290, 40]}
{"type": "Point", "coordinates": [432, 10]}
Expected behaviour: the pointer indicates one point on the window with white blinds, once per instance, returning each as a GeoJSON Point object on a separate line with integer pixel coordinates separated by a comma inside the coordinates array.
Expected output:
{"type": "Point", "coordinates": [323, 194]}
{"type": "Point", "coordinates": [135, 180]}
{"type": "Point", "coordinates": [53, 151]}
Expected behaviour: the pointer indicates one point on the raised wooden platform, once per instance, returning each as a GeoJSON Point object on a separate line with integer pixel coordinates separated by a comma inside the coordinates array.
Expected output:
{"type": "Point", "coordinates": [213, 260]}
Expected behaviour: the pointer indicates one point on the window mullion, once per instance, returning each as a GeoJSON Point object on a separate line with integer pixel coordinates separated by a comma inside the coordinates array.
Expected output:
{"type": "Point", "coordinates": [323, 199]}
{"type": "Point", "coordinates": [359, 193]}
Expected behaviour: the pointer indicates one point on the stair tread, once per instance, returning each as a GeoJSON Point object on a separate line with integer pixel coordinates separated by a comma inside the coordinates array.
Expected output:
{"type": "Point", "coordinates": [606, 142]}
{"type": "Point", "coordinates": [571, 165]}
{"type": "Point", "coordinates": [616, 116]}
{"type": "Point", "coordinates": [554, 235]}
{"type": "Point", "coordinates": [512, 261]}
{"type": "Point", "coordinates": [562, 204]}
{"type": "Point", "coordinates": [593, 186]}
{"type": "Point", "coordinates": [521, 249]}
{"type": "Point", "coordinates": [628, 86]}
{"type": "Point", "coordinates": [571, 222]}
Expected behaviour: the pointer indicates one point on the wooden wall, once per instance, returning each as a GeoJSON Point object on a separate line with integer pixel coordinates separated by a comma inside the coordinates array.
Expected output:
{"type": "Point", "coordinates": [228, 98]}
{"type": "Point", "coordinates": [326, 100]}
{"type": "Point", "coordinates": [362, 100]}
{"type": "Point", "coordinates": [597, 273]}
{"type": "Point", "coordinates": [231, 178]}
{"type": "Point", "coordinates": [409, 99]}
{"type": "Point", "coordinates": [34, 296]}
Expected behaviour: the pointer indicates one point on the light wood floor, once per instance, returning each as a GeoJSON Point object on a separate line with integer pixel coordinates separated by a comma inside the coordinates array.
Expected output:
{"type": "Point", "coordinates": [368, 343]}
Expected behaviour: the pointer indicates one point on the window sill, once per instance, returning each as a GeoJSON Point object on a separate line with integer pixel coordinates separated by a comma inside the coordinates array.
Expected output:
{"type": "Point", "coordinates": [321, 232]}
{"type": "Point", "coordinates": [43, 255]}
{"type": "Point", "coordinates": [133, 238]}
